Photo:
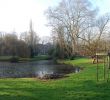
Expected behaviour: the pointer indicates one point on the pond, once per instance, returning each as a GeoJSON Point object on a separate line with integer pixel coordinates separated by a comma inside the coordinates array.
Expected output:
{"type": "Point", "coordinates": [45, 69]}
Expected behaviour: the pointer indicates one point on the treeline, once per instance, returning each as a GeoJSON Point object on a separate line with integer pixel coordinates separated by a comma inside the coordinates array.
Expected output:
{"type": "Point", "coordinates": [77, 29]}
{"type": "Point", "coordinates": [24, 45]}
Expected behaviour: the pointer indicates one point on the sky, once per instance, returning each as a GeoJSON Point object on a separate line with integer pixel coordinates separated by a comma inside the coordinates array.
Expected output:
{"type": "Point", "coordinates": [15, 15]}
{"type": "Point", "coordinates": [103, 5]}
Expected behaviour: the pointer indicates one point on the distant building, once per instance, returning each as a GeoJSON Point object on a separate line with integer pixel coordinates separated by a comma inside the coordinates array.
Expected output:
{"type": "Point", "coordinates": [44, 48]}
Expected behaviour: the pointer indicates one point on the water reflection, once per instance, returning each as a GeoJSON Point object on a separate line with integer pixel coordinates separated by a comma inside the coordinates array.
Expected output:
{"type": "Point", "coordinates": [35, 69]}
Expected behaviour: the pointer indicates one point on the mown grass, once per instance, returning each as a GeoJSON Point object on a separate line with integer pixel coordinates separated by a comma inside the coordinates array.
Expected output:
{"type": "Point", "coordinates": [79, 86]}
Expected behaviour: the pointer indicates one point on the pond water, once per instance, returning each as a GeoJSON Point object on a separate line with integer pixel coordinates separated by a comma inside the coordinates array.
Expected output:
{"type": "Point", "coordinates": [41, 69]}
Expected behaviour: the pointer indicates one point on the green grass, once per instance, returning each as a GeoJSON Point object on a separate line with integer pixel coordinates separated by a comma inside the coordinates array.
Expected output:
{"type": "Point", "coordinates": [5, 58]}
{"type": "Point", "coordinates": [79, 86]}
{"type": "Point", "coordinates": [36, 58]}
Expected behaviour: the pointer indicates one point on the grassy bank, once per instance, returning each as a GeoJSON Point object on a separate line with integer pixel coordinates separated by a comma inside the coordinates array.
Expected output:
{"type": "Point", "coordinates": [79, 86]}
{"type": "Point", "coordinates": [36, 58]}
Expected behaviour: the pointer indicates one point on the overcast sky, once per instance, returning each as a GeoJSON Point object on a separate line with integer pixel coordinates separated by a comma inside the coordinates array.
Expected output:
{"type": "Point", "coordinates": [16, 14]}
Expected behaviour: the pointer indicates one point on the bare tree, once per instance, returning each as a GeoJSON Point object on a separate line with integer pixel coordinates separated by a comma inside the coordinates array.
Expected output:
{"type": "Point", "coordinates": [98, 37]}
{"type": "Point", "coordinates": [75, 17]}
{"type": "Point", "coordinates": [31, 38]}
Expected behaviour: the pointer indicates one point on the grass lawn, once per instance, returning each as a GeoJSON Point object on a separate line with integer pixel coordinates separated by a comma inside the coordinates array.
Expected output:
{"type": "Point", "coordinates": [79, 86]}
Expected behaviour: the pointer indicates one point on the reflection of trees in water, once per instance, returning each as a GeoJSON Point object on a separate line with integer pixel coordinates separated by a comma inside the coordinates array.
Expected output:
{"type": "Point", "coordinates": [34, 69]}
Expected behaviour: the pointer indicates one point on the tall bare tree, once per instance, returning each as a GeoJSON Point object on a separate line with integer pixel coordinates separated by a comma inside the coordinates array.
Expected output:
{"type": "Point", "coordinates": [31, 38]}
{"type": "Point", "coordinates": [75, 16]}
{"type": "Point", "coordinates": [97, 39]}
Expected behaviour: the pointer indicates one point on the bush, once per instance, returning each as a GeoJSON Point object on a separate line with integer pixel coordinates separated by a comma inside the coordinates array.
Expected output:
{"type": "Point", "coordinates": [14, 59]}
{"type": "Point", "coordinates": [55, 60]}
{"type": "Point", "coordinates": [72, 57]}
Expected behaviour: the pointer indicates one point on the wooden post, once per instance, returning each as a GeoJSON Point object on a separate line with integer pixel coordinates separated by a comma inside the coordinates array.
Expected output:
{"type": "Point", "coordinates": [97, 67]}
{"type": "Point", "coordinates": [104, 69]}
{"type": "Point", "coordinates": [108, 67]}
{"type": "Point", "coordinates": [109, 61]}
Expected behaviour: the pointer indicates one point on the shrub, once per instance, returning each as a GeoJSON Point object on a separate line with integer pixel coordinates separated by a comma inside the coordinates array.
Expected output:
{"type": "Point", "coordinates": [72, 57]}
{"type": "Point", "coordinates": [14, 59]}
